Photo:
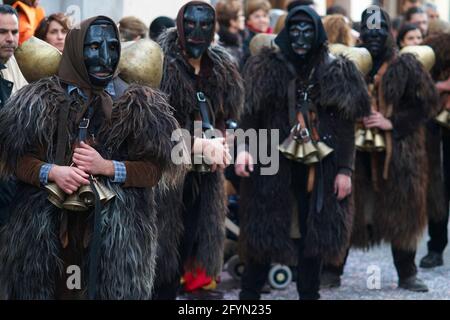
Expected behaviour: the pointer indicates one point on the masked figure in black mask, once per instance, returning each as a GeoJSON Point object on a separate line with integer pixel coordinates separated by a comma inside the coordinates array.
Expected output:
{"type": "Point", "coordinates": [83, 128]}
{"type": "Point", "coordinates": [303, 211]}
{"type": "Point", "coordinates": [391, 179]}
{"type": "Point", "coordinates": [203, 84]}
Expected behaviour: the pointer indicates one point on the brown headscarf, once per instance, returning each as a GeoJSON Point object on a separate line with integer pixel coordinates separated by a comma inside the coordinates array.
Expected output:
{"type": "Point", "coordinates": [180, 21]}
{"type": "Point", "coordinates": [72, 69]}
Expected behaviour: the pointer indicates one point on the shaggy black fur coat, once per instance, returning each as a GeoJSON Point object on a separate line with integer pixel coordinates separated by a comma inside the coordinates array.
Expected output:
{"type": "Point", "coordinates": [438, 196]}
{"type": "Point", "coordinates": [224, 89]}
{"type": "Point", "coordinates": [30, 247]}
{"type": "Point", "coordinates": [267, 202]}
{"type": "Point", "coordinates": [397, 212]}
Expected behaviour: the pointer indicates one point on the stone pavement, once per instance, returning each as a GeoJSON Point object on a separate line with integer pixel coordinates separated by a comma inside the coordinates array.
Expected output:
{"type": "Point", "coordinates": [354, 281]}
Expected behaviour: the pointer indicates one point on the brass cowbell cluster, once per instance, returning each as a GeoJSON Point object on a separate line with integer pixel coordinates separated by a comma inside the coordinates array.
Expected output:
{"type": "Point", "coordinates": [369, 140]}
{"type": "Point", "coordinates": [81, 200]}
{"type": "Point", "coordinates": [301, 148]}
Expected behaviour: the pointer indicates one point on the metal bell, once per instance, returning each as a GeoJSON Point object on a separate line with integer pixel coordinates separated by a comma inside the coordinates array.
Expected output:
{"type": "Point", "coordinates": [74, 203]}
{"type": "Point", "coordinates": [300, 153]}
{"type": "Point", "coordinates": [87, 195]}
{"type": "Point", "coordinates": [359, 140]}
{"type": "Point", "coordinates": [323, 150]}
{"type": "Point", "coordinates": [313, 158]}
{"type": "Point", "coordinates": [104, 192]}
{"type": "Point", "coordinates": [199, 165]}
{"type": "Point", "coordinates": [379, 142]}
{"type": "Point", "coordinates": [444, 118]}
{"type": "Point", "coordinates": [368, 138]}
{"type": "Point", "coordinates": [309, 149]}
{"type": "Point", "coordinates": [289, 148]}
{"type": "Point", "coordinates": [141, 62]}
{"type": "Point", "coordinates": [56, 194]}
{"type": "Point", "coordinates": [55, 201]}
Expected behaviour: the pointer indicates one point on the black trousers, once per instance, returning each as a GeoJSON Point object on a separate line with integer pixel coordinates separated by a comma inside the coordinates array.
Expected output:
{"type": "Point", "coordinates": [191, 216]}
{"type": "Point", "coordinates": [308, 268]}
{"type": "Point", "coordinates": [438, 231]}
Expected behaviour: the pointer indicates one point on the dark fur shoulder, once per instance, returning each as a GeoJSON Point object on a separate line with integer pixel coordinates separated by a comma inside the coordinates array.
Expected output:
{"type": "Point", "coordinates": [143, 120]}
{"type": "Point", "coordinates": [28, 120]}
{"type": "Point", "coordinates": [266, 78]}
{"type": "Point", "coordinates": [407, 85]}
{"type": "Point", "coordinates": [225, 86]}
{"type": "Point", "coordinates": [342, 86]}
{"type": "Point", "coordinates": [441, 45]}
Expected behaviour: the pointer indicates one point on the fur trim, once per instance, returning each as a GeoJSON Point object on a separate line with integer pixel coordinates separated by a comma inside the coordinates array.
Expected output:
{"type": "Point", "coordinates": [437, 200]}
{"type": "Point", "coordinates": [405, 83]}
{"type": "Point", "coordinates": [224, 87]}
{"type": "Point", "coordinates": [30, 248]}
{"type": "Point", "coordinates": [30, 114]}
{"type": "Point", "coordinates": [399, 209]}
{"type": "Point", "coordinates": [142, 115]}
{"type": "Point", "coordinates": [343, 87]}
{"type": "Point", "coordinates": [259, 71]}
{"type": "Point", "coordinates": [267, 76]}
{"type": "Point", "coordinates": [441, 46]}
{"type": "Point", "coordinates": [210, 235]}
{"type": "Point", "coordinates": [170, 231]}
{"type": "Point", "coordinates": [128, 250]}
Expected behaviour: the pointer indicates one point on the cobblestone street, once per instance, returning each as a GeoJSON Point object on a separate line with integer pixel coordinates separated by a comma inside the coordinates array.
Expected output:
{"type": "Point", "coordinates": [354, 281]}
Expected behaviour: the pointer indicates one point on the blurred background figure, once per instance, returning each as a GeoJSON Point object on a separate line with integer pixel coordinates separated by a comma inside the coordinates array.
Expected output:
{"type": "Point", "coordinates": [338, 30]}
{"type": "Point", "coordinates": [438, 26]}
{"type": "Point", "coordinates": [30, 16]}
{"type": "Point", "coordinates": [397, 23]}
{"type": "Point", "coordinates": [336, 10]}
{"type": "Point", "coordinates": [53, 29]}
{"type": "Point", "coordinates": [432, 11]}
{"type": "Point", "coordinates": [419, 17]}
{"type": "Point", "coordinates": [257, 16]}
{"type": "Point", "coordinates": [231, 20]}
{"type": "Point", "coordinates": [132, 29]}
{"type": "Point", "coordinates": [408, 4]}
{"type": "Point", "coordinates": [409, 35]}
{"type": "Point", "coordinates": [257, 19]}
{"type": "Point", "coordinates": [11, 80]}
{"type": "Point", "coordinates": [159, 25]}
{"type": "Point", "coordinates": [294, 3]}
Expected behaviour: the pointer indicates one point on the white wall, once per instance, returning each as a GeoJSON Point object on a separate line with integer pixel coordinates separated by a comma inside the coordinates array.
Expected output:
{"type": "Point", "coordinates": [147, 10]}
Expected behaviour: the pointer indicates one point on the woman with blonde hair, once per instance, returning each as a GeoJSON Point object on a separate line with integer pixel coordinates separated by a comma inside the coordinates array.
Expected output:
{"type": "Point", "coordinates": [338, 30]}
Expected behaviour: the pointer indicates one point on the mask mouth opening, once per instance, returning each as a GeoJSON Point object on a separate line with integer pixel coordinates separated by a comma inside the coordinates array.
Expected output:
{"type": "Point", "coordinates": [195, 41]}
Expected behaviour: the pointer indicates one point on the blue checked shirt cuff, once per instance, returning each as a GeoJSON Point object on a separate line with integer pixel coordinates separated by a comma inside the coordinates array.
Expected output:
{"type": "Point", "coordinates": [44, 172]}
{"type": "Point", "coordinates": [120, 172]}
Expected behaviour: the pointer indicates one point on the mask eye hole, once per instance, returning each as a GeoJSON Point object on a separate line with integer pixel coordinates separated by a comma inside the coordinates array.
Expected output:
{"type": "Point", "coordinates": [294, 32]}
{"type": "Point", "coordinates": [94, 46]}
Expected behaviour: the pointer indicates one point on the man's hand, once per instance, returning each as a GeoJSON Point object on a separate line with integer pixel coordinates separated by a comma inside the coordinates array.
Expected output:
{"type": "Point", "coordinates": [215, 151]}
{"type": "Point", "coordinates": [342, 186]}
{"type": "Point", "coordinates": [244, 160]}
{"type": "Point", "coordinates": [376, 120]}
{"type": "Point", "coordinates": [69, 179]}
{"type": "Point", "coordinates": [90, 161]}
